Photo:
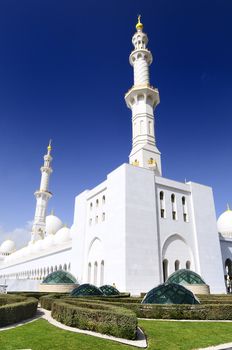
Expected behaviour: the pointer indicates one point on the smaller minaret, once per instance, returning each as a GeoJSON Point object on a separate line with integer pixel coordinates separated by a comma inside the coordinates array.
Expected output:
{"type": "Point", "coordinates": [142, 99]}
{"type": "Point", "coordinates": [42, 196]}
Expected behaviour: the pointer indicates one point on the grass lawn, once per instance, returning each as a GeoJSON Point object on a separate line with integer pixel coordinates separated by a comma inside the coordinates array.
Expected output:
{"type": "Point", "coordinates": [162, 335]}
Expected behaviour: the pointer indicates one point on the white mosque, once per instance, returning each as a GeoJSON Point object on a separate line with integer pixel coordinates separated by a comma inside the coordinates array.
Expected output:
{"type": "Point", "coordinates": [135, 228]}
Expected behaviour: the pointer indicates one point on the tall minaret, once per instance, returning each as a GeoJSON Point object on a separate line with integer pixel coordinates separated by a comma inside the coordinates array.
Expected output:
{"type": "Point", "coordinates": [142, 99]}
{"type": "Point", "coordinates": [42, 196]}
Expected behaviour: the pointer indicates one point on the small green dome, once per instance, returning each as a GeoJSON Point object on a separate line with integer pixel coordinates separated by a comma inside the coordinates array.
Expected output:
{"type": "Point", "coordinates": [59, 277]}
{"type": "Point", "coordinates": [109, 290]}
{"type": "Point", "coordinates": [85, 290]}
{"type": "Point", "coordinates": [170, 293]}
{"type": "Point", "coordinates": [185, 277]}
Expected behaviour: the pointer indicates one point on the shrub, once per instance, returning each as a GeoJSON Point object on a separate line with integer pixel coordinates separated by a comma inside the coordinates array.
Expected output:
{"type": "Point", "coordinates": [16, 309]}
{"type": "Point", "coordinates": [175, 311]}
{"type": "Point", "coordinates": [98, 317]}
{"type": "Point", "coordinates": [36, 295]}
{"type": "Point", "coordinates": [47, 300]}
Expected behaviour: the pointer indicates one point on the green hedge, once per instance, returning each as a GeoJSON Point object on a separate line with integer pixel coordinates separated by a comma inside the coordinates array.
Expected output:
{"type": "Point", "coordinates": [16, 309]}
{"type": "Point", "coordinates": [181, 311]}
{"type": "Point", "coordinates": [36, 295]}
{"type": "Point", "coordinates": [47, 300]}
{"type": "Point", "coordinates": [102, 318]}
{"type": "Point", "coordinates": [175, 311]}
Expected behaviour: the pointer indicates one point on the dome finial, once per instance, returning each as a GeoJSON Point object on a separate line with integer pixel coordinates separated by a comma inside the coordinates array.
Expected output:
{"type": "Point", "coordinates": [228, 207]}
{"type": "Point", "coordinates": [139, 25]}
{"type": "Point", "coordinates": [50, 145]}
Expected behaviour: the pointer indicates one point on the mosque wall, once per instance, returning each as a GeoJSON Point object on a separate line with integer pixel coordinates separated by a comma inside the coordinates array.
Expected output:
{"type": "Point", "coordinates": [209, 264]}
{"type": "Point", "coordinates": [37, 267]}
{"type": "Point", "coordinates": [176, 223]}
{"type": "Point", "coordinates": [143, 269]}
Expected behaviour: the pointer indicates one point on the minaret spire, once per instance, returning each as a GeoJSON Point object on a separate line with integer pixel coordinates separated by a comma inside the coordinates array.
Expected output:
{"type": "Point", "coordinates": [42, 196]}
{"type": "Point", "coordinates": [142, 99]}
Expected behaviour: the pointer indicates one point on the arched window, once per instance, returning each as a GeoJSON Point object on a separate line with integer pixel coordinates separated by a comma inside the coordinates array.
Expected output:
{"type": "Point", "coordinates": [95, 274]}
{"type": "Point", "coordinates": [228, 266]}
{"type": "Point", "coordinates": [91, 206]}
{"type": "Point", "coordinates": [173, 200]}
{"type": "Point", "coordinates": [103, 216]}
{"type": "Point", "coordinates": [97, 202]}
{"type": "Point", "coordinates": [141, 126]}
{"type": "Point", "coordinates": [65, 267]}
{"type": "Point", "coordinates": [90, 221]}
{"type": "Point", "coordinates": [102, 273]}
{"type": "Point", "coordinates": [188, 265]}
{"type": "Point", "coordinates": [149, 128]}
{"type": "Point", "coordinates": [184, 208]}
{"type": "Point", "coordinates": [55, 268]}
{"type": "Point", "coordinates": [103, 200]}
{"type": "Point", "coordinates": [165, 269]}
{"type": "Point", "coordinates": [89, 272]}
{"type": "Point", "coordinates": [60, 267]}
{"type": "Point", "coordinates": [162, 205]}
{"type": "Point", "coordinates": [177, 265]}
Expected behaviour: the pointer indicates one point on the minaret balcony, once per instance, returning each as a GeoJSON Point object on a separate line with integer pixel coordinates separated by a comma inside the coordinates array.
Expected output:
{"type": "Point", "coordinates": [43, 194]}
{"type": "Point", "coordinates": [139, 54]}
{"type": "Point", "coordinates": [149, 93]}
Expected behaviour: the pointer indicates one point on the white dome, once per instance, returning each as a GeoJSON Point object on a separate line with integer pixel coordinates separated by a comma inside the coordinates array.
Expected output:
{"type": "Point", "coordinates": [63, 235]}
{"type": "Point", "coordinates": [224, 223]}
{"type": "Point", "coordinates": [53, 224]}
{"type": "Point", "coordinates": [7, 247]}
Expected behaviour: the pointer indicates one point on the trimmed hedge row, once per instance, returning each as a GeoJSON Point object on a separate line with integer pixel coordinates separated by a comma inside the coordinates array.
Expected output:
{"type": "Point", "coordinates": [47, 300]}
{"type": "Point", "coordinates": [16, 309]}
{"type": "Point", "coordinates": [182, 311]}
{"type": "Point", "coordinates": [36, 295]}
{"type": "Point", "coordinates": [102, 318]}
{"type": "Point", "coordinates": [174, 311]}
{"type": "Point", "coordinates": [10, 299]}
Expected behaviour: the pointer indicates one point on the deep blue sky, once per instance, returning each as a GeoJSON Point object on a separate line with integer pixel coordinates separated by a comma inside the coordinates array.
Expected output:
{"type": "Point", "coordinates": [63, 74]}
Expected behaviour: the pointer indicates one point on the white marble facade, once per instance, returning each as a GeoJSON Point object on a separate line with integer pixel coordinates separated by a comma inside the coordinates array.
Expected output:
{"type": "Point", "coordinates": [135, 228]}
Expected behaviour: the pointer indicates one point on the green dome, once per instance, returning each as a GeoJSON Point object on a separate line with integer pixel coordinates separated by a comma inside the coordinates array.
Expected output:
{"type": "Point", "coordinates": [170, 293]}
{"type": "Point", "coordinates": [86, 290]}
{"type": "Point", "coordinates": [59, 277]}
{"type": "Point", "coordinates": [185, 277]}
{"type": "Point", "coordinates": [109, 290]}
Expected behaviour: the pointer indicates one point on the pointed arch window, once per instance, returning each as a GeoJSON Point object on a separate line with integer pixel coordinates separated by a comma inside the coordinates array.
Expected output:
{"type": "Point", "coordinates": [177, 265]}
{"type": "Point", "coordinates": [89, 272]}
{"type": "Point", "coordinates": [102, 273]}
{"type": "Point", "coordinates": [174, 213]}
{"type": "Point", "coordinates": [162, 205]}
{"type": "Point", "coordinates": [165, 269]}
{"type": "Point", "coordinates": [185, 209]}
{"type": "Point", "coordinates": [95, 273]}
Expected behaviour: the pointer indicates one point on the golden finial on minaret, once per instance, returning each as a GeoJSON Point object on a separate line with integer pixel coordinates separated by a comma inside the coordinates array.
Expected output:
{"type": "Point", "coordinates": [139, 25]}
{"type": "Point", "coordinates": [50, 145]}
{"type": "Point", "coordinates": [228, 207]}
